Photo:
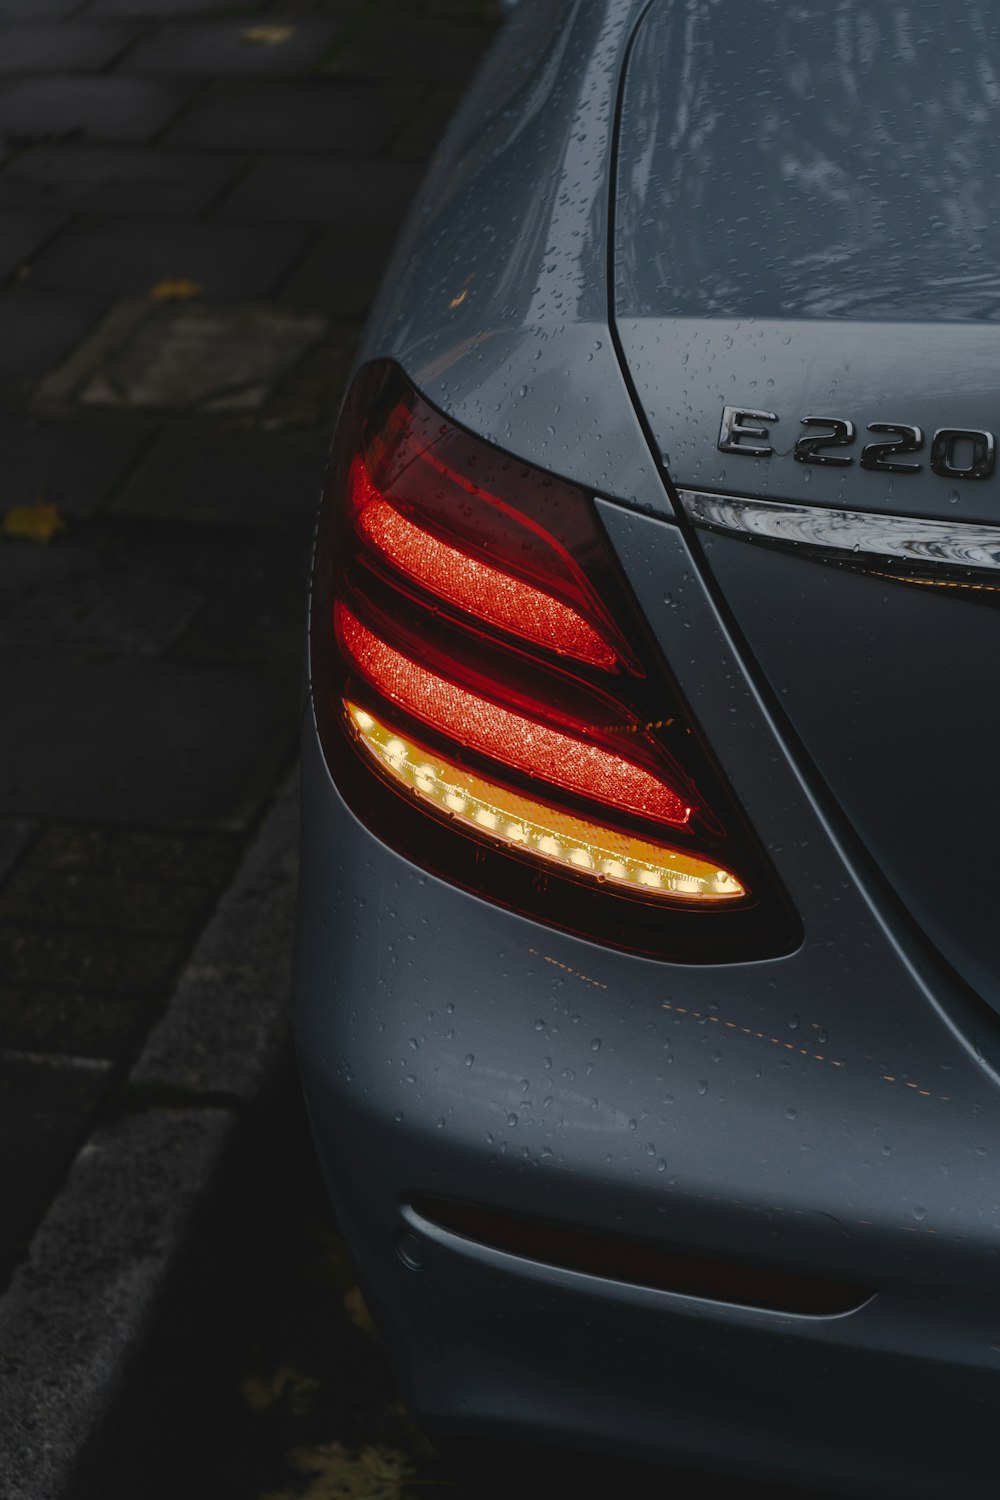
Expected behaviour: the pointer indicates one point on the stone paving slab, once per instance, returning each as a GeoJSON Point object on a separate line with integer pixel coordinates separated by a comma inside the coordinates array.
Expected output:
{"type": "Point", "coordinates": [113, 595]}
{"type": "Point", "coordinates": [171, 9]}
{"type": "Point", "coordinates": [73, 464]}
{"type": "Point", "coordinates": [27, 47]}
{"type": "Point", "coordinates": [58, 391]}
{"type": "Point", "coordinates": [252, 583]}
{"type": "Point", "coordinates": [315, 190]}
{"type": "Point", "coordinates": [231, 475]}
{"type": "Point", "coordinates": [340, 274]}
{"type": "Point", "coordinates": [193, 358]}
{"type": "Point", "coordinates": [85, 1022]}
{"type": "Point", "coordinates": [36, 10]}
{"type": "Point", "coordinates": [284, 365]}
{"type": "Point", "coordinates": [310, 396]}
{"type": "Point", "coordinates": [257, 617]}
{"type": "Point", "coordinates": [120, 258]}
{"type": "Point", "coordinates": [219, 49]}
{"type": "Point", "coordinates": [24, 570]}
{"type": "Point", "coordinates": [113, 612]}
{"type": "Point", "coordinates": [106, 960]}
{"type": "Point", "coordinates": [117, 180]}
{"type": "Point", "coordinates": [38, 328]}
{"type": "Point", "coordinates": [15, 834]}
{"type": "Point", "coordinates": [238, 571]}
{"type": "Point", "coordinates": [147, 742]}
{"type": "Point", "coordinates": [27, 571]}
{"type": "Point", "coordinates": [109, 882]}
{"type": "Point", "coordinates": [71, 105]}
{"type": "Point", "coordinates": [271, 115]}
{"type": "Point", "coordinates": [445, 52]}
{"type": "Point", "coordinates": [124, 904]}
{"type": "Point", "coordinates": [228, 1015]}
{"type": "Point", "coordinates": [22, 232]}
{"type": "Point", "coordinates": [200, 857]}
{"type": "Point", "coordinates": [427, 123]}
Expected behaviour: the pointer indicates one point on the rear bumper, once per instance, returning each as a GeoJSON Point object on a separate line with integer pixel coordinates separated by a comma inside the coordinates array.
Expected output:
{"type": "Point", "coordinates": [453, 1050]}
{"type": "Point", "coordinates": [868, 1404]}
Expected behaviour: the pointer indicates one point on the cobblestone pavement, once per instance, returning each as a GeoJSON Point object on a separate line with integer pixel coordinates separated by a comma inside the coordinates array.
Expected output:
{"type": "Point", "coordinates": [195, 200]}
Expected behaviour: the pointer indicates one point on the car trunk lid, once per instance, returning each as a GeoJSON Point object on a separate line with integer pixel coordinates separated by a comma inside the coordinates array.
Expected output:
{"type": "Point", "coordinates": [807, 294]}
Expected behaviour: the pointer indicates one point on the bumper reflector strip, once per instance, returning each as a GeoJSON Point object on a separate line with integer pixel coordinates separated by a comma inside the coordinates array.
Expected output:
{"type": "Point", "coordinates": [688, 1273]}
{"type": "Point", "coordinates": [586, 848]}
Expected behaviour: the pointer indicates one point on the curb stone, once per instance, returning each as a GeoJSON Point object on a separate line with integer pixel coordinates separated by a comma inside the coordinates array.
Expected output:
{"type": "Point", "coordinates": [75, 1317]}
{"type": "Point", "coordinates": [227, 1023]}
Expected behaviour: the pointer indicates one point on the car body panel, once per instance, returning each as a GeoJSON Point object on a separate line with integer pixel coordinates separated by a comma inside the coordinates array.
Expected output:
{"type": "Point", "coordinates": [885, 684]}
{"type": "Point", "coordinates": [809, 162]}
{"type": "Point", "coordinates": [833, 1111]}
{"type": "Point", "coordinates": [414, 1070]}
{"type": "Point", "coordinates": [686, 371]}
{"type": "Point", "coordinates": [868, 137]}
{"type": "Point", "coordinates": [827, 1110]}
{"type": "Point", "coordinates": [496, 299]}
{"type": "Point", "coordinates": [805, 223]}
{"type": "Point", "coordinates": [850, 993]}
{"type": "Point", "coordinates": [889, 688]}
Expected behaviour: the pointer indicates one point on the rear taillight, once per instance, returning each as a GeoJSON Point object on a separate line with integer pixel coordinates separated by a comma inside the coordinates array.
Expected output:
{"type": "Point", "coordinates": [491, 704]}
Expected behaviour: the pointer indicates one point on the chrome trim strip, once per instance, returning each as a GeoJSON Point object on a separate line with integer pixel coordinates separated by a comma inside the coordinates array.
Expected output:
{"type": "Point", "coordinates": [905, 547]}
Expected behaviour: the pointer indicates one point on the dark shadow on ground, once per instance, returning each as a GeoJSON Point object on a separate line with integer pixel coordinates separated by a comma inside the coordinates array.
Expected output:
{"type": "Point", "coordinates": [265, 1380]}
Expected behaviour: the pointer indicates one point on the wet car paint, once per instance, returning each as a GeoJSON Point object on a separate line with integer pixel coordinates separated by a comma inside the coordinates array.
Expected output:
{"type": "Point", "coordinates": [496, 299]}
{"type": "Point", "coordinates": [833, 1110]}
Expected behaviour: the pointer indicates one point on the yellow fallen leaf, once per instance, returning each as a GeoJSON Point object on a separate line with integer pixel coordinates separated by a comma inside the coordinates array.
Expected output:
{"type": "Point", "coordinates": [33, 523]}
{"type": "Point", "coordinates": [335, 1473]}
{"type": "Point", "coordinates": [266, 36]}
{"type": "Point", "coordinates": [354, 1306]}
{"type": "Point", "coordinates": [258, 1394]}
{"type": "Point", "coordinates": [175, 289]}
{"type": "Point", "coordinates": [285, 1384]}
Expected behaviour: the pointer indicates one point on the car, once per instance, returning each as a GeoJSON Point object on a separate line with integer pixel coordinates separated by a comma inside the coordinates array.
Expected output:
{"type": "Point", "coordinates": [648, 957]}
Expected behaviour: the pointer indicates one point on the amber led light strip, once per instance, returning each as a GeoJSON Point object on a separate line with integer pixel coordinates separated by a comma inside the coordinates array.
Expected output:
{"type": "Point", "coordinates": [585, 848]}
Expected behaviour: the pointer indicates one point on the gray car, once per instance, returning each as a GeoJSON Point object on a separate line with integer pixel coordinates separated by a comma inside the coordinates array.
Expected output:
{"type": "Point", "coordinates": [648, 973]}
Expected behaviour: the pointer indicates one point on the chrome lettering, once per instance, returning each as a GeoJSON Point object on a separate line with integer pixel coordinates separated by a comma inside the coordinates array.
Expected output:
{"type": "Point", "coordinates": [736, 422]}
{"type": "Point", "coordinates": [886, 456]}
{"type": "Point", "coordinates": [983, 453]}
{"type": "Point", "coordinates": [955, 452]}
{"type": "Point", "coordinates": [810, 450]}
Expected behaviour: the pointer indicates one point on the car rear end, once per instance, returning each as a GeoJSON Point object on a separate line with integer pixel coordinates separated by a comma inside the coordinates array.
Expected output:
{"type": "Point", "coordinates": [647, 963]}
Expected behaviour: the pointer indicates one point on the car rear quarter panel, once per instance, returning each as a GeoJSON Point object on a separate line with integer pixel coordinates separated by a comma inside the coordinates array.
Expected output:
{"type": "Point", "coordinates": [496, 300]}
{"type": "Point", "coordinates": [835, 1108]}
{"type": "Point", "coordinates": [825, 1110]}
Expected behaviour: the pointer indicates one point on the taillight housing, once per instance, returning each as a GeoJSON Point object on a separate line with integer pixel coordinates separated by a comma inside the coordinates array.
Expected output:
{"type": "Point", "coordinates": [491, 704]}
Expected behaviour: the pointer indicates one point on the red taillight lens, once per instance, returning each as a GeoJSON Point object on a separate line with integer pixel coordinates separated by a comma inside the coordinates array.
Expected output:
{"type": "Point", "coordinates": [490, 703]}
{"type": "Point", "coordinates": [513, 740]}
{"type": "Point", "coordinates": [484, 591]}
